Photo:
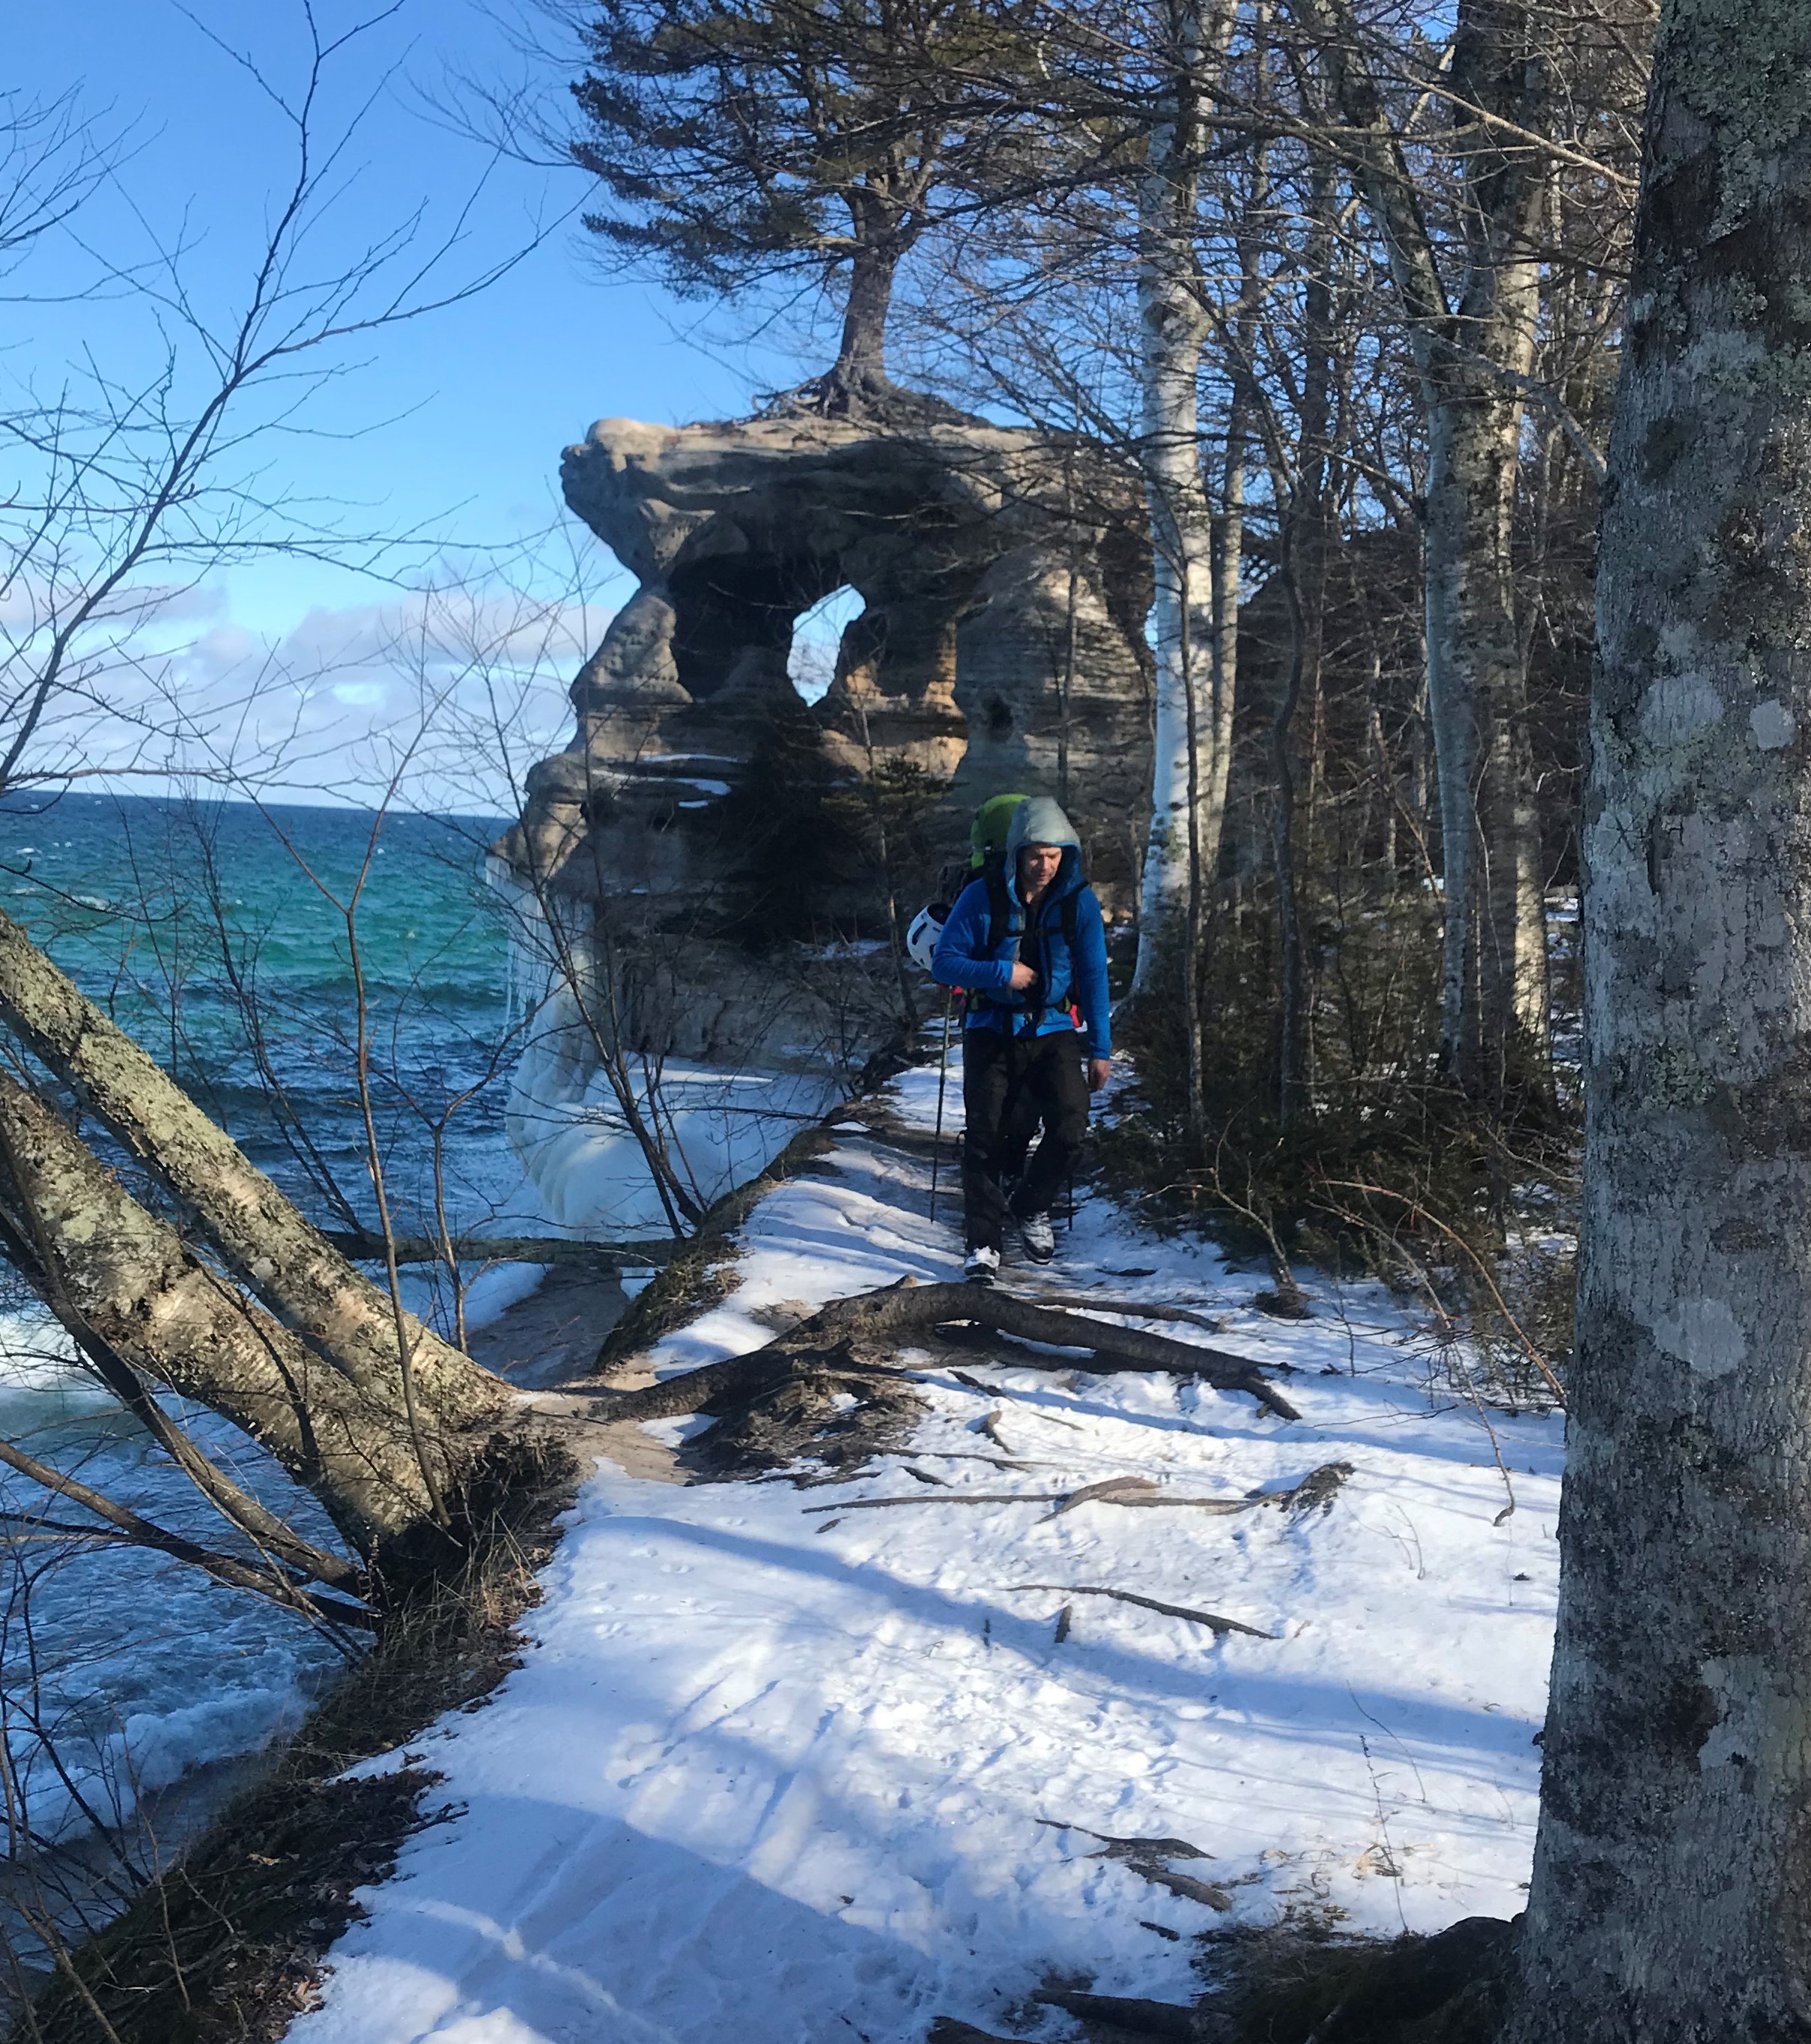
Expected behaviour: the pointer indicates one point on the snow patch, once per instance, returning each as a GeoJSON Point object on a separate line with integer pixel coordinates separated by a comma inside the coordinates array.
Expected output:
{"type": "Point", "coordinates": [778, 1767]}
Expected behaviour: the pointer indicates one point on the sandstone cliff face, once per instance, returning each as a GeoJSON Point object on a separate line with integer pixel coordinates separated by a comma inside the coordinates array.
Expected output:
{"type": "Point", "coordinates": [1004, 583]}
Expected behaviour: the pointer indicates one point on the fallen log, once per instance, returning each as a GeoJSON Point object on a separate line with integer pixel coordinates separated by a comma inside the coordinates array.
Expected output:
{"type": "Point", "coordinates": [1137, 2016]}
{"type": "Point", "coordinates": [877, 1320]}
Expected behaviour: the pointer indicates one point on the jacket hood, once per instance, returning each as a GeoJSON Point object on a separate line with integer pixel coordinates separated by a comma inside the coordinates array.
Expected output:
{"type": "Point", "coordinates": [1038, 820]}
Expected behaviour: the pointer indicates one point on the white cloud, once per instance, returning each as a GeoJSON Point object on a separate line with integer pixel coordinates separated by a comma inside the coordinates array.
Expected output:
{"type": "Point", "coordinates": [438, 698]}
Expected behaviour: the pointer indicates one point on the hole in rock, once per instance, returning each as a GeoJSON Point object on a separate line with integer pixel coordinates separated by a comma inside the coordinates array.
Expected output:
{"type": "Point", "coordinates": [816, 633]}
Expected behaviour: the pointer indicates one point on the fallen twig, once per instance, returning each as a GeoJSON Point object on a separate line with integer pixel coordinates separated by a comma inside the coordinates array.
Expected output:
{"type": "Point", "coordinates": [947, 1497]}
{"type": "Point", "coordinates": [1208, 1618]}
{"type": "Point", "coordinates": [994, 1461]}
{"type": "Point", "coordinates": [1317, 1490]}
{"type": "Point", "coordinates": [1150, 1858]}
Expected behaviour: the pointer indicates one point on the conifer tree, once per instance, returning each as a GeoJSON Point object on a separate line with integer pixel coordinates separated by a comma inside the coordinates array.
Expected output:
{"type": "Point", "coordinates": [742, 141]}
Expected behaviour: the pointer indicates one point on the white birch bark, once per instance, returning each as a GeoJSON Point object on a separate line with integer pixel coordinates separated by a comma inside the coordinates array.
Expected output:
{"type": "Point", "coordinates": [1671, 1897]}
{"type": "Point", "coordinates": [113, 1271]}
{"type": "Point", "coordinates": [1172, 327]}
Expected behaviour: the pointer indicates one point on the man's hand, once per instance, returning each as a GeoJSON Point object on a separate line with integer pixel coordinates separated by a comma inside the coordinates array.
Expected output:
{"type": "Point", "coordinates": [1100, 1070]}
{"type": "Point", "coordinates": [1023, 979]}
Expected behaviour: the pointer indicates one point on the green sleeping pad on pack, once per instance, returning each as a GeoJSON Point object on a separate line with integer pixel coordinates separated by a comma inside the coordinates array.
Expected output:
{"type": "Point", "coordinates": [987, 834]}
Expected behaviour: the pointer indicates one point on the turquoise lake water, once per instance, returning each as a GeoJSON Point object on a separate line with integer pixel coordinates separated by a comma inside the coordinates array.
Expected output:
{"type": "Point", "coordinates": [202, 930]}
{"type": "Point", "coordinates": [216, 934]}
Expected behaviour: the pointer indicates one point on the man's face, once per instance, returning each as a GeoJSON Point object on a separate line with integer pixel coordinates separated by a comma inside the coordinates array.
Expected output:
{"type": "Point", "coordinates": [1037, 866]}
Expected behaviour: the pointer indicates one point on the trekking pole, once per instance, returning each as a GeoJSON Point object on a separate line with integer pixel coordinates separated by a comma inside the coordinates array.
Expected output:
{"type": "Point", "coordinates": [943, 1079]}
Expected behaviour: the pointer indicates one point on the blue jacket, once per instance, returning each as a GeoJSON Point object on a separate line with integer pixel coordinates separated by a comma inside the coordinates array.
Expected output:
{"type": "Point", "coordinates": [963, 958]}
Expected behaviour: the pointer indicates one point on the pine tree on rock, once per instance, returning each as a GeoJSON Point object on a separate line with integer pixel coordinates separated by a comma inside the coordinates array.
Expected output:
{"type": "Point", "coordinates": [741, 141]}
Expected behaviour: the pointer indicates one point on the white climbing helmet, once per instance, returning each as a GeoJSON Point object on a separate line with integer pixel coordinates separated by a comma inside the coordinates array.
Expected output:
{"type": "Point", "coordinates": [921, 939]}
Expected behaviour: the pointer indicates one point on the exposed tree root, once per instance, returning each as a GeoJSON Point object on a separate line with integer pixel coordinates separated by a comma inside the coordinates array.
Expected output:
{"type": "Point", "coordinates": [799, 1421]}
{"type": "Point", "coordinates": [1134, 1309]}
{"type": "Point", "coordinates": [1281, 1987]}
{"type": "Point", "coordinates": [847, 1331]}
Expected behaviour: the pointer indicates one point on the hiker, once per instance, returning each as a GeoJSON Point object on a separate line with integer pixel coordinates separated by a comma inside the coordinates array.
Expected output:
{"type": "Point", "coordinates": [1026, 941]}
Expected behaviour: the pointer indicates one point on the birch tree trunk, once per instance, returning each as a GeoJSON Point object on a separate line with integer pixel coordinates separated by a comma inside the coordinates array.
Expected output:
{"type": "Point", "coordinates": [287, 1261]}
{"type": "Point", "coordinates": [1672, 1898]}
{"type": "Point", "coordinates": [1171, 328]}
{"type": "Point", "coordinates": [1478, 378]}
{"type": "Point", "coordinates": [116, 1275]}
{"type": "Point", "coordinates": [371, 1411]}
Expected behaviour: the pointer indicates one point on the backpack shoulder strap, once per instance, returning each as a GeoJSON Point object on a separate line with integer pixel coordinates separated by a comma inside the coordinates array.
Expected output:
{"type": "Point", "coordinates": [1068, 906]}
{"type": "Point", "coordinates": [999, 906]}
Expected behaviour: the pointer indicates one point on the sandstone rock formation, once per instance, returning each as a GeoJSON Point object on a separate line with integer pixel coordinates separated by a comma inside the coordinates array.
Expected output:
{"type": "Point", "coordinates": [711, 825]}
{"type": "Point", "coordinates": [1004, 582]}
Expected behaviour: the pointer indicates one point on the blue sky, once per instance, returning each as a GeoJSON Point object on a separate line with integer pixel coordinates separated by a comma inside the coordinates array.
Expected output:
{"type": "Point", "coordinates": [453, 424]}
{"type": "Point", "coordinates": [466, 409]}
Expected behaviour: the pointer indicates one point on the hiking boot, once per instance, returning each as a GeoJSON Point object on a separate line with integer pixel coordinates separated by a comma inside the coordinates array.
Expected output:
{"type": "Point", "coordinates": [1038, 1237]}
{"type": "Point", "coordinates": [983, 1266]}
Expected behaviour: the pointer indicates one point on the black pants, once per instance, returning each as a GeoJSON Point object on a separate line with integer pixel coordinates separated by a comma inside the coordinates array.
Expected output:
{"type": "Point", "coordinates": [1012, 1087]}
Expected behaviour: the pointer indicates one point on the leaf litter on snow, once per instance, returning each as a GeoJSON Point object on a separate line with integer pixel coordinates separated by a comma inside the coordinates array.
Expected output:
{"type": "Point", "coordinates": [793, 1771]}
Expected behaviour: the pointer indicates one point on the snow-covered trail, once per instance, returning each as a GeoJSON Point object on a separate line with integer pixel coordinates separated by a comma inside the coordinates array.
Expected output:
{"type": "Point", "coordinates": [777, 1769]}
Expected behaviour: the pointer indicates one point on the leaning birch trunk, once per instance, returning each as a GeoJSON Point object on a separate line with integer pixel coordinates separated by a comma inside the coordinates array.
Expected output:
{"type": "Point", "coordinates": [114, 1272]}
{"type": "Point", "coordinates": [1171, 328]}
{"type": "Point", "coordinates": [283, 1257]}
{"type": "Point", "coordinates": [1671, 1897]}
